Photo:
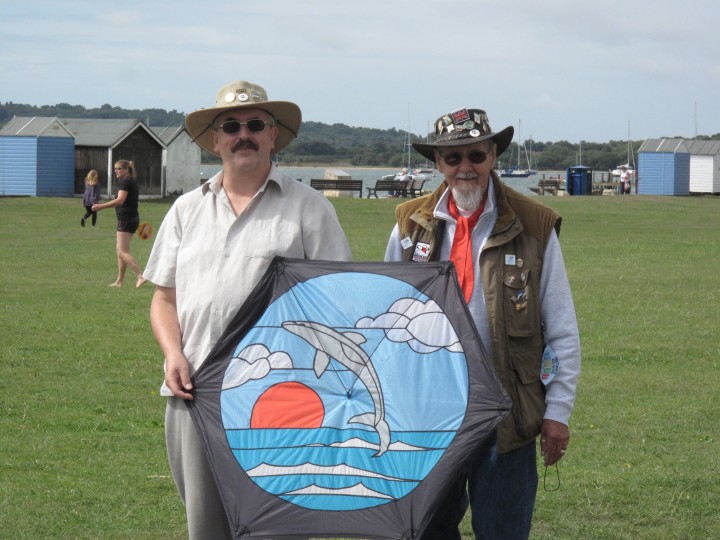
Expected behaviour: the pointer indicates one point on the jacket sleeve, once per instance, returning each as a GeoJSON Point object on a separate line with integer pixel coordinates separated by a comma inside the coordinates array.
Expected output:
{"type": "Point", "coordinates": [561, 333]}
{"type": "Point", "coordinates": [393, 252]}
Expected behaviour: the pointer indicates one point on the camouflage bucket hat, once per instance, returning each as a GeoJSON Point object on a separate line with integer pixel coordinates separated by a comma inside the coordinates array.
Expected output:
{"type": "Point", "coordinates": [461, 127]}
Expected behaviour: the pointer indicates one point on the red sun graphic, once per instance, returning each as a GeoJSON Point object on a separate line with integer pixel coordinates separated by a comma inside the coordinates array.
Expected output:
{"type": "Point", "coordinates": [288, 405]}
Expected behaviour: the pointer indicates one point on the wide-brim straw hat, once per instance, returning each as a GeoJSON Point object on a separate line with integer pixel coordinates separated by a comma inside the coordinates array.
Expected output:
{"type": "Point", "coordinates": [461, 127]}
{"type": "Point", "coordinates": [241, 95]}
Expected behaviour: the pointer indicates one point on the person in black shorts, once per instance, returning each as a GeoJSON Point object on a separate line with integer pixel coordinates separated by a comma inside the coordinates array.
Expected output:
{"type": "Point", "coordinates": [128, 219]}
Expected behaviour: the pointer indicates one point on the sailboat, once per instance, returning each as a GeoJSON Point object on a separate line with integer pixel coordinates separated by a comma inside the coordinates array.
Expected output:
{"type": "Point", "coordinates": [514, 171]}
{"type": "Point", "coordinates": [630, 164]}
{"type": "Point", "coordinates": [418, 173]}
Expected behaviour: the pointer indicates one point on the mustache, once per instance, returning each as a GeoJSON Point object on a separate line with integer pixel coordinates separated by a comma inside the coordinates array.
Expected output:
{"type": "Point", "coordinates": [466, 176]}
{"type": "Point", "coordinates": [243, 144]}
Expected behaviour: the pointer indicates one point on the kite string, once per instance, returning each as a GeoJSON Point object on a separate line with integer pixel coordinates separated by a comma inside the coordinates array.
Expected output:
{"type": "Point", "coordinates": [545, 485]}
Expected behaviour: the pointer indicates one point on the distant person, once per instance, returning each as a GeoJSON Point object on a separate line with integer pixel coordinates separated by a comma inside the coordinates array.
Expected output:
{"type": "Point", "coordinates": [510, 269]}
{"type": "Point", "coordinates": [213, 247]}
{"type": "Point", "coordinates": [90, 196]}
{"type": "Point", "coordinates": [404, 177]}
{"type": "Point", "coordinates": [624, 180]}
{"type": "Point", "coordinates": [128, 219]}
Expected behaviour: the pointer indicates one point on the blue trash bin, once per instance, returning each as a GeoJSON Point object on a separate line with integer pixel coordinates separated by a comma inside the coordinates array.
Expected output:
{"type": "Point", "coordinates": [578, 180]}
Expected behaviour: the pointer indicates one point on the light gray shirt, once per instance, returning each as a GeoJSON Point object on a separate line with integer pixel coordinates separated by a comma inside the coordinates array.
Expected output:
{"type": "Point", "coordinates": [214, 259]}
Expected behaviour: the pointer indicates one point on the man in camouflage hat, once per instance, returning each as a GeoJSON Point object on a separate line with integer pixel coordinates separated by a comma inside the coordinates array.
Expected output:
{"type": "Point", "coordinates": [511, 272]}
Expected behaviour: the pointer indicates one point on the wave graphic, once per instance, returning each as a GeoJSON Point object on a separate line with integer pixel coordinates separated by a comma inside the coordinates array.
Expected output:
{"type": "Point", "coordinates": [358, 490]}
{"type": "Point", "coordinates": [312, 469]}
{"type": "Point", "coordinates": [361, 443]}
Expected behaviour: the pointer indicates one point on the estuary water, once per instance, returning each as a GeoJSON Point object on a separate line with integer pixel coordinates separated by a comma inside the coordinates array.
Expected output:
{"type": "Point", "coordinates": [369, 174]}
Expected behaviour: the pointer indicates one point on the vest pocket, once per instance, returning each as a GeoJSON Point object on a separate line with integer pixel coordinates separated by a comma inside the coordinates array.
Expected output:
{"type": "Point", "coordinates": [521, 302]}
{"type": "Point", "coordinates": [527, 393]}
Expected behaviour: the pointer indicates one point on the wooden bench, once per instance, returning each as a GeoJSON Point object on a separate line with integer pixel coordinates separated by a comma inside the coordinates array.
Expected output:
{"type": "Point", "coordinates": [416, 186]}
{"type": "Point", "coordinates": [396, 187]}
{"type": "Point", "coordinates": [337, 185]}
{"type": "Point", "coordinates": [551, 186]}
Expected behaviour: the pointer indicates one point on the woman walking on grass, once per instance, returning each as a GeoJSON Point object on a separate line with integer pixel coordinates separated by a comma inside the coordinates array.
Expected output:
{"type": "Point", "coordinates": [90, 196]}
{"type": "Point", "coordinates": [128, 219]}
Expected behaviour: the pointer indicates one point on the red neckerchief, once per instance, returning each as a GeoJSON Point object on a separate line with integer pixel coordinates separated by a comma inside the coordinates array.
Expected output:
{"type": "Point", "coordinates": [461, 251]}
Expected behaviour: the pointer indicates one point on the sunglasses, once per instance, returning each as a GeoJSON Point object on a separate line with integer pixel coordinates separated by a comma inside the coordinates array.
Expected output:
{"type": "Point", "coordinates": [454, 159]}
{"type": "Point", "coordinates": [233, 126]}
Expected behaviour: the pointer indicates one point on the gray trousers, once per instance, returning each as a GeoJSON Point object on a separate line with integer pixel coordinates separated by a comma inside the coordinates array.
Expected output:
{"type": "Point", "coordinates": [206, 518]}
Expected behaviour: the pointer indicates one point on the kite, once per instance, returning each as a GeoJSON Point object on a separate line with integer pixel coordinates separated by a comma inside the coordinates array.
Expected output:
{"type": "Point", "coordinates": [343, 400]}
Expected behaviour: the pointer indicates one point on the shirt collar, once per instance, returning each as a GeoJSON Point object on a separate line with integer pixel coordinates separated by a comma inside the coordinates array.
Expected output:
{"type": "Point", "coordinates": [275, 176]}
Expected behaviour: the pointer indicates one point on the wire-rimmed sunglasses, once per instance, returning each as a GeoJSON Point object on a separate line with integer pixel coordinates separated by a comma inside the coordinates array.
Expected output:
{"type": "Point", "coordinates": [233, 126]}
{"type": "Point", "coordinates": [453, 159]}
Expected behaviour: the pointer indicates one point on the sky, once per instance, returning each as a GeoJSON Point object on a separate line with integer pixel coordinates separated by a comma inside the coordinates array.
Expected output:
{"type": "Point", "coordinates": [556, 70]}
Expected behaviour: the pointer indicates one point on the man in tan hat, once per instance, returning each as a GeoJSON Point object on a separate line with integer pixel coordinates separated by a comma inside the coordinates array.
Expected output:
{"type": "Point", "coordinates": [213, 247]}
{"type": "Point", "coordinates": [510, 270]}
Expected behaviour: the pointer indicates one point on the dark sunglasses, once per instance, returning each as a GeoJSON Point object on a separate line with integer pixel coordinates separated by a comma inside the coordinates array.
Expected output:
{"type": "Point", "coordinates": [233, 126]}
{"type": "Point", "coordinates": [454, 159]}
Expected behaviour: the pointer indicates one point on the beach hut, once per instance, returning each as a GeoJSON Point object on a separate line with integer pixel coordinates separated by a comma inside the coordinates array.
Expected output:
{"type": "Point", "coordinates": [36, 158]}
{"type": "Point", "coordinates": [664, 167]}
{"type": "Point", "coordinates": [99, 143]}
{"type": "Point", "coordinates": [181, 160]}
{"type": "Point", "coordinates": [704, 166]}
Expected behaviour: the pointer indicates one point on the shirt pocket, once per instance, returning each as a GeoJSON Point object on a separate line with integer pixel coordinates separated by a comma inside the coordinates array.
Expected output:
{"type": "Point", "coordinates": [265, 239]}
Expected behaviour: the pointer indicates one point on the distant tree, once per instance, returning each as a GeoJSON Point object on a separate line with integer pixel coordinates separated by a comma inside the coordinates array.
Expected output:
{"type": "Point", "coordinates": [340, 144]}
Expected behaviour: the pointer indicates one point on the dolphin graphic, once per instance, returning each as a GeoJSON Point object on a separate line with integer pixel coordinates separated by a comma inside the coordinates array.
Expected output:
{"type": "Point", "coordinates": [345, 348]}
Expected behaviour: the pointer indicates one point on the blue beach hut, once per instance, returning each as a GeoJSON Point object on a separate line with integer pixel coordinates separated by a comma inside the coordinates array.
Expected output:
{"type": "Point", "coordinates": [36, 158]}
{"type": "Point", "coordinates": [664, 167]}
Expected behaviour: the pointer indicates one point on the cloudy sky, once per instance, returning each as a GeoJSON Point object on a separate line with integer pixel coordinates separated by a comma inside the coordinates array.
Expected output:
{"type": "Point", "coordinates": [563, 69]}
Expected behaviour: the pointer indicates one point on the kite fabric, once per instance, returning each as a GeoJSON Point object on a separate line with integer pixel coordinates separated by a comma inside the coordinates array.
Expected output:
{"type": "Point", "coordinates": [343, 400]}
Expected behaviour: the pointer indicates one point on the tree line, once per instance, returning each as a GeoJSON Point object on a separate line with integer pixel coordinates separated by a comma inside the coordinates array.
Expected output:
{"type": "Point", "coordinates": [320, 144]}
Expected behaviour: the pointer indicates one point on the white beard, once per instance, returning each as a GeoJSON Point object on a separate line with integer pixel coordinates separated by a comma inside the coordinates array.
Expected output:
{"type": "Point", "coordinates": [468, 199]}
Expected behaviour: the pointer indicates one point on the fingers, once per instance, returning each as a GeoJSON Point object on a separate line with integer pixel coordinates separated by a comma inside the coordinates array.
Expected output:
{"type": "Point", "coordinates": [178, 380]}
{"type": "Point", "coordinates": [552, 450]}
{"type": "Point", "coordinates": [179, 389]}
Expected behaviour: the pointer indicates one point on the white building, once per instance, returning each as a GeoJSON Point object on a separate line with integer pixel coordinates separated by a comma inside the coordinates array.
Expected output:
{"type": "Point", "coordinates": [181, 160]}
{"type": "Point", "coordinates": [704, 166]}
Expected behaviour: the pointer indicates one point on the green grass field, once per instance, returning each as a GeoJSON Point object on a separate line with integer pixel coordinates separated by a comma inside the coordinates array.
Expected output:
{"type": "Point", "coordinates": [82, 452]}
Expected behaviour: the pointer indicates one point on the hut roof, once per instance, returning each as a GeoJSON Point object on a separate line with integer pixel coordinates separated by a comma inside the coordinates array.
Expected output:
{"type": "Point", "coordinates": [664, 145]}
{"type": "Point", "coordinates": [168, 134]}
{"type": "Point", "coordinates": [104, 132]}
{"type": "Point", "coordinates": [35, 126]}
{"type": "Point", "coordinates": [703, 148]}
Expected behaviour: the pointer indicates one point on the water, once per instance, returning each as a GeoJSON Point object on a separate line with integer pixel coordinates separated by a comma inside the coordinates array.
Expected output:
{"type": "Point", "coordinates": [369, 174]}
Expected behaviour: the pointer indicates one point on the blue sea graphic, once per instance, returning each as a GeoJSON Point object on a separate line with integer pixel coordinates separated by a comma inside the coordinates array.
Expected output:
{"type": "Point", "coordinates": [329, 469]}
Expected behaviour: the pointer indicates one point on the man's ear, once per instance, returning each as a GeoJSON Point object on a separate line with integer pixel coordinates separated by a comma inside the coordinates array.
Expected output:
{"type": "Point", "coordinates": [214, 139]}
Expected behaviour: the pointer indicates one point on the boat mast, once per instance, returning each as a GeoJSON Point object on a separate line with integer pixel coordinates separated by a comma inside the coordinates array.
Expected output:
{"type": "Point", "coordinates": [631, 154]}
{"type": "Point", "coordinates": [518, 143]}
{"type": "Point", "coordinates": [407, 143]}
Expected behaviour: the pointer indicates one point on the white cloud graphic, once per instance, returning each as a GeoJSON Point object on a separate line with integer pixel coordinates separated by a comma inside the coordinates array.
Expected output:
{"type": "Point", "coordinates": [422, 325]}
{"type": "Point", "coordinates": [254, 362]}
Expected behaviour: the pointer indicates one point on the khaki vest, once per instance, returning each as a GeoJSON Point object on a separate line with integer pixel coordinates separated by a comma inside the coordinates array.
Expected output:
{"type": "Point", "coordinates": [520, 234]}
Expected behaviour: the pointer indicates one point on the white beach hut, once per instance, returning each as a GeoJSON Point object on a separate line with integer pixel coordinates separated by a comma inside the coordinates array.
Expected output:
{"type": "Point", "coordinates": [704, 166]}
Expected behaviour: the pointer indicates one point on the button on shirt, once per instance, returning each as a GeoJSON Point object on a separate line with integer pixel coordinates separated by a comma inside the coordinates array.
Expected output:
{"type": "Point", "coordinates": [214, 259]}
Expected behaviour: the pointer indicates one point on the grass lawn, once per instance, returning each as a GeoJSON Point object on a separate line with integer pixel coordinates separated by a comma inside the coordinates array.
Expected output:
{"type": "Point", "coordinates": [82, 452]}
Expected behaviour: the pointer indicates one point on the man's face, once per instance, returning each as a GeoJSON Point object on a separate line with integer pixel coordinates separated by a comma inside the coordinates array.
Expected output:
{"type": "Point", "coordinates": [469, 177]}
{"type": "Point", "coordinates": [245, 148]}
